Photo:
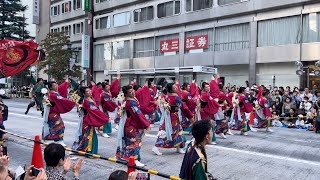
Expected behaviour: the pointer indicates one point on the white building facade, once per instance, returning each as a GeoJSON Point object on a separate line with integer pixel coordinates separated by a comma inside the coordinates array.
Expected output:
{"type": "Point", "coordinates": [250, 40]}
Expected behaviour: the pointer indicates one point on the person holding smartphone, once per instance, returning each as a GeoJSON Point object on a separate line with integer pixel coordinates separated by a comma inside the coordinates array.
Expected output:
{"type": "Point", "coordinates": [54, 156]}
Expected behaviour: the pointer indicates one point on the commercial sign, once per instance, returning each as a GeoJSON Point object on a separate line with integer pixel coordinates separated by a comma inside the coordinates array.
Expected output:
{"type": "Point", "coordinates": [85, 51]}
{"type": "Point", "coordinates": [36, 12]}
{"type": "Point", "coordinates": [196, 42]}
{"type": "Point", "coordinates": [170, 45]}
{"type": "Point", "coordinates": [86, 5]}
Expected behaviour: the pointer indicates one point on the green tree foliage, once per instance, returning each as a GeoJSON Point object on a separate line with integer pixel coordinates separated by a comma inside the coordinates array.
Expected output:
{"type": "Point", "coordinates": [12, 22]}
{"type": "Point", "coordinates": [57, 63]}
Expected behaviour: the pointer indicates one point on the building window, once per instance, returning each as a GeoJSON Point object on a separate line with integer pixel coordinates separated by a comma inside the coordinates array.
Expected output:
{"type": "Point", "coordinates": [103, 23]}
{"type": "Point", "coordinates": [311, 28]}
{"type": "Point", "coordinates": [66, 30]}
{"type": "Point", "coordinates": [77, 4]}
{"type": "Point", "coordinates": [143, 14]}
{"type": "Point", "coordinates": [100, 1]}
{"type": "Point", "coordinates": [55, 30]}
{"type": "Point", "coordinates": [108, 51]}
{"type": "Point", "coordinates": [78, 28]}
{"type": "Point", "coordinates": [55, 10]}
{"type": "Point", "coordinates": [121, 19]}
{"type": "Point", "coordinates": [144, 47]}
{"type": "Point", "coordinates": [98, 57]}
{"type": "Point", "coordinates": [208, 32]}
{"type": "Point", "coordinates": [194, 5]}
{"type": "Point", "coordinates": [231, 38]}
{"type": "Point", "coordinates": [121, 50]}
{"type": "Point", "coordinates": [66, 7]}
{"type": "Point", "coordinates": [225, 2]}
{"type": "Point", "coordinates": [280, 31]}
{"type": "Point", "coordinates": [170, 46]}
{"type": "Point", "coordinates": [168, 9]}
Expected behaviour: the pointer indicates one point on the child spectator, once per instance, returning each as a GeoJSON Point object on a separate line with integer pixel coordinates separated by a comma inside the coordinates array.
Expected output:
{"type": "Point", "coordinates": [300, 122]}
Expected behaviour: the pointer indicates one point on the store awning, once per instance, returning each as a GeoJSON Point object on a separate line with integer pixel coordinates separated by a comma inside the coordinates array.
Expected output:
{"type": "Point", "coordinates": [190, 69]}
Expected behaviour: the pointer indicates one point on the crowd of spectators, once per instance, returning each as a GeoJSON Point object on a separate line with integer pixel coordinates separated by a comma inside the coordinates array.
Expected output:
{"type": "Point", "coordinates": [297, 108]}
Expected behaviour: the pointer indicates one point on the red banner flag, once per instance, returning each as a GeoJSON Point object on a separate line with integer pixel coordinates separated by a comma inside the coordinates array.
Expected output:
{"type": "Point", "coordinates": [15, 56]}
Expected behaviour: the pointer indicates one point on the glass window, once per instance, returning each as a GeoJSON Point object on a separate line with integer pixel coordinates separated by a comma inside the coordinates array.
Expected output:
{"type": "Point", "coordinates": [194, 5]}
{"type": "Point", "coordinates": [66, 7]}
{"type": "Point", "coordinates": [98, 57]}
{"type": "Point", "coordinates": [280, 31]}
{"type": "Point", "coordinates": [121, 50]}
{"type": "Point", "coordinates": [144, 47]}
{"type": "Point", "coordinates": [161, 38]}
{"type": "Point", "coordinates": [311, 28]}
{"type": "Point", "coordinates": [208, 32]}
{"type": "Point", "coordinates": [168, 8]}
{"type": "Point", "coordinates": [55, 10]}
{"type": "Point", "coordinates": [77, 4]}
{"type": "Point", "coordinates": [121, 19]}
{"type": "Point", "coordinates": [55, 30]}
{"type": "Point", "coordinates": [103, 23]}
{"type": "Point", "coordinates": [224, 2]}
{"type": "Point", "coordinates": [231, 38]}
{"type": "Point", "coordinates": [66, 30]}
{"type": "Point", "coordinates": [143, 14]}
{"type": "Point", "coordinates": [108, 51]}
{"type": "Point", "coordinates": [100, 1]}
{"type": "Point", "coordinates": [78, 28]}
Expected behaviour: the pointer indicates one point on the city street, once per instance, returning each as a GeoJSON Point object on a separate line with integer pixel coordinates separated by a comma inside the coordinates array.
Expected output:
{"type": "Point", "coordinates": [285, 154]}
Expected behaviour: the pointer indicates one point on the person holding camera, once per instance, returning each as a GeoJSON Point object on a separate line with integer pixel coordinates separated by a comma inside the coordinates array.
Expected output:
{"type": "Point", "coordinates": [54, 156]}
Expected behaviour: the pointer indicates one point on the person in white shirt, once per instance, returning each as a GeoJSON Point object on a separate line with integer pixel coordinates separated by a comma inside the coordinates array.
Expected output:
{"type": "Point", "coordinates": [306, 105]}
{"type": "Point", "coordinates": [300, 122]}
{"type": "Point", "coordinates": [307, 94]}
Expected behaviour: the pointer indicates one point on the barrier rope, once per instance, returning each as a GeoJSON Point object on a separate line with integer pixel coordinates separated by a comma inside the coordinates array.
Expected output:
{"type": "Point", "coordinates": [97, 156]}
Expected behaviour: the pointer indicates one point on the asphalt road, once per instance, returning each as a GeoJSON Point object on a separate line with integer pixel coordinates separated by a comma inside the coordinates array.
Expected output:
{"type": "Point", "coordinates": [284, 154]}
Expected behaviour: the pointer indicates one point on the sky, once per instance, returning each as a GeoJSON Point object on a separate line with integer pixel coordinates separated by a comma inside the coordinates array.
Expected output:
{"type": "Point", "coordinates": [28, 14]}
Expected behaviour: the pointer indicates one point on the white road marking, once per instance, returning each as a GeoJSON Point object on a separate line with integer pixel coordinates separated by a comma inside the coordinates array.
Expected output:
{"type": "Point", "coordinates": [35, 117]}
{"type": "Point", "coordinates": [267, 155]}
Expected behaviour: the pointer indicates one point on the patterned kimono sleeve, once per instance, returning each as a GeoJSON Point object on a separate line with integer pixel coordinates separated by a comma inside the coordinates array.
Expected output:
{"type": "Point", "coordinates": [140, 120]}
{"type": "Point", "coordinates": [114, 88]}
{"type": "Point", "coordinates": [193, 90]}
{"type": "Point", "coordinates": [107, 103]}
{"type": "Point", "coordinates": [61, 104]}
{"type": "Point", "coordinates": [214, 89]}
{"type": "Point", "coordinates": [63, 89]}
{"type": "Point", "coordinates": [184, 108]}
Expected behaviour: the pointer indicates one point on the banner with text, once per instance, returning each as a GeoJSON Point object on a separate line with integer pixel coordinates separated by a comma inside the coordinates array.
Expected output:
{"type": "Point", "coordinates": [85, 51]}
{"type": "Point", "coordinates": [169, 45]}
{"type": "Point", "coordinates": [196, 42]}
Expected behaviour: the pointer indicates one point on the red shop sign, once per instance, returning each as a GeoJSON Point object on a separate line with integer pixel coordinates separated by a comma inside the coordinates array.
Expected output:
{"type": "Point", "coordinates": [197, 42]}
{"type": "Point", "coordinates": [170, 45]}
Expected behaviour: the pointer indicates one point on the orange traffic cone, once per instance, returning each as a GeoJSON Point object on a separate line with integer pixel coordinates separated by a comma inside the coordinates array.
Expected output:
{"type": "Point", "coordinates": [131, 162]}
{"type": "Point", "coordinates": [37, 159]}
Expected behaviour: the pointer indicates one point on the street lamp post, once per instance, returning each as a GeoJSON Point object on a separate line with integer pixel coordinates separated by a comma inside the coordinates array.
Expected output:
{"type": "Point", "coordinates": [306, 70]}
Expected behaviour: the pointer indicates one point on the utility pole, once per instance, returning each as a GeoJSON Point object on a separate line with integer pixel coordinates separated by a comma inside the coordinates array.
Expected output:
{"type": "Point", "coordinates": [91, 15]}
{"type": "Point", "coordinates": [87, 40]}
